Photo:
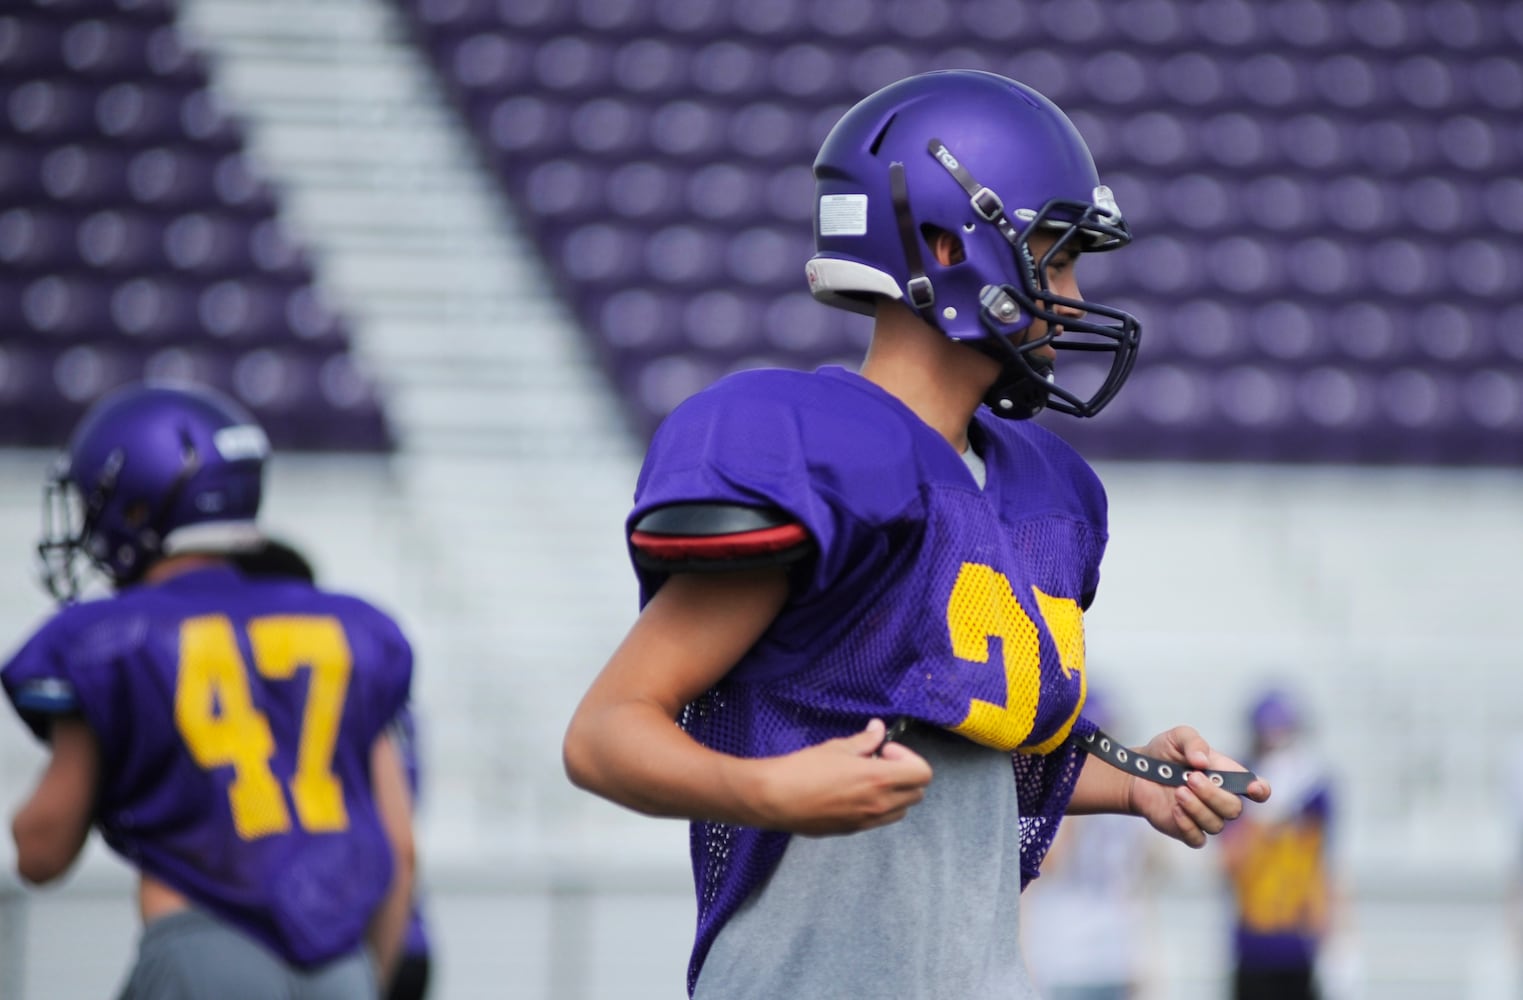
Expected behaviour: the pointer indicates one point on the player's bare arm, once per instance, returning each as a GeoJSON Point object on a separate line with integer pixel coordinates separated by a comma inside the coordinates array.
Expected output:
{"type": "Point", "coordinates": [1188, 813]}
{"type": "Point", "coordinates": [623, 742]}
{"type": "Point", "coordinates": [388, 927]}
{"type": "Point", "coordinates": [51, 827]}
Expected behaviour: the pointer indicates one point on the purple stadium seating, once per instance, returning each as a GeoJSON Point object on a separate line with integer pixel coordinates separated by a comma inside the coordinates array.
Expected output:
{"type": "Point", "coordinates": [1326, 195]}
{"type": "Point", "coordinates": [136, 239]}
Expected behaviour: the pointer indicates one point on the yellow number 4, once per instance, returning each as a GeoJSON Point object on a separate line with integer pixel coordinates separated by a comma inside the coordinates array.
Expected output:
{"type": "Point", "coordinates": [215, 713]}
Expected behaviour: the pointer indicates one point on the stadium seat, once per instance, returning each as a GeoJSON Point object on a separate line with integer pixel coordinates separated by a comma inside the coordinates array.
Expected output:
{"type": "Point", "coordinates": [105, 49]}
{"type": "Point", "coordinates": [156, 310]}
{"type": "Point", "coordinates": [136, 237]}
{"type": "Point", "coordinates": [86, 175]}
{"type": "Point", "coordinates": [29, 46]}
{"type": "Point", "coordinates": [491, 63]}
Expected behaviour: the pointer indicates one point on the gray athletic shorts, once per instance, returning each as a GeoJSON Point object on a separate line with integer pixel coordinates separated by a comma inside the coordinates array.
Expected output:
{"type": "Point", "coordinates": [191, 955]}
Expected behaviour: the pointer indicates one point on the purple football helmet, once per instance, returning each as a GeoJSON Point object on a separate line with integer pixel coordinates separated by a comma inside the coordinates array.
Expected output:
{"type": "Point", "coordinates": [1274, 713]}
{"type": "Point", "coordinates": [151, 471]}
{"type": "Point", "coordinates": [990, 161]}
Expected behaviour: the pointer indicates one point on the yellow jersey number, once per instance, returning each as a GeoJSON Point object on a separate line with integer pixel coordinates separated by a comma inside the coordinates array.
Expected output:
{"type": "Point", "coordinates": [982, 606]}
{"type": "Point", "coordinates": [215, 714]}
{"type": "Point", "coordinates": [1282, 886]}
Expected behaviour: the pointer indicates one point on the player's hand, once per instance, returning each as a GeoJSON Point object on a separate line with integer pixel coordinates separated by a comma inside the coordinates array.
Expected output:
{"type": "Point", "coordinates": [1191, 812]}
{"type": "Point", "coordinates": [842, 785]}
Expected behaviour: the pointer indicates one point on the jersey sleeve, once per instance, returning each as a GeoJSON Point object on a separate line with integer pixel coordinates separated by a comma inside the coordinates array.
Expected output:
{"type": "Point", "coordinates": [38, 686]}
{"type": "Point", "coordinates": [404, 730]}
{"type": "Point", "coordinates": [382, 651]}
{"type": "Point", "coordinates": [69, 668]}
{"type": "Point", "coordinates": [708, 537]}
{"type": "Point", "coordinates": [767, 439]}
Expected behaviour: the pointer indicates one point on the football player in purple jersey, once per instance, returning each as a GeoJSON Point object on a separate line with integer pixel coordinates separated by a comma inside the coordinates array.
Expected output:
{"type": "Point", "coordinates": [863, 592]}
{"type": "Point", "coordinates": [1278, 862]}
{"type": "Point", "coordinates": [228, 735]}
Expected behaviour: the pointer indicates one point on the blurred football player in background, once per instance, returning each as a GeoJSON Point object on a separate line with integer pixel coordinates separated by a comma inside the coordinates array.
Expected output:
{"type": "Point", "coordinates": [853, 581]}
{"type": "Point", "coordinates": [276, 558]}
{"type": "Point", "coordinates": [1089, 930]}
{"type": "Point", "coordinates": [1277, 861]}
{"type": "Point", "coordinates": [229, 736]}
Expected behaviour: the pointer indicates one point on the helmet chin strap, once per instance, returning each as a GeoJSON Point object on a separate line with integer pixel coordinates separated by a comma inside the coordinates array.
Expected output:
{"type": "Point", "coordinates": [1015, 395]}
{"type": "Point", "coordinates": [1020, 391]}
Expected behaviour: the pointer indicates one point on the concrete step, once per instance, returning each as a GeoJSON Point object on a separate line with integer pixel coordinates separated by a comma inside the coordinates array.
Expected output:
{"type": "Point", "coordinates": [465, 210]}
{"type": "Point", "coordinates": [315, 24]}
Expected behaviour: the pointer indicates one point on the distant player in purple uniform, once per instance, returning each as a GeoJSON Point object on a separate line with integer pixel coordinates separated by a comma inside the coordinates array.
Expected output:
{"type": "Point", "coordinates": [275, 558]}
{"type": "Point", "coordinates": [853, 581]}
{"type": "Point", "coordinates": [1278, 861]}
{"type": "Point", "coordinates": [227, 735]}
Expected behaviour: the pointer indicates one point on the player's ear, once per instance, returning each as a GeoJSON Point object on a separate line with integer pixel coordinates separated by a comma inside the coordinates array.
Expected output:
{"type": "Point", "coordinates": [945, 246]}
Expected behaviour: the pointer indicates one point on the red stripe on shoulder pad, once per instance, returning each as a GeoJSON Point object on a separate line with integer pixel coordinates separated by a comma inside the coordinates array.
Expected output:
{"type": "Point", "coordinates": [740, 545]}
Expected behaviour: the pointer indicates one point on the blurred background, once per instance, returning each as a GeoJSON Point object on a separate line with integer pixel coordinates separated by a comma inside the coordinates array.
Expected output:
{"type": "Point", "coordinates": [460, 256]}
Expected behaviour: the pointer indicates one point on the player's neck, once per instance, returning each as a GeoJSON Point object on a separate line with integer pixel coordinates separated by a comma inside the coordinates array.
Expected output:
{"type": "Point", "coordinates": [173, 566]}
{"type": "Point", "coordinates": [941, 381]}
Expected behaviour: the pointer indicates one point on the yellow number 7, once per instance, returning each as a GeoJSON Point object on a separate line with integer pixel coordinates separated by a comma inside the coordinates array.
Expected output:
{"type": "Point", "coordinates": [215, 713]}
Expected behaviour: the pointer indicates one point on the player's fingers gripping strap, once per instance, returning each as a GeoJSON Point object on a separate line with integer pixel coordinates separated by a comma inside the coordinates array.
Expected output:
{"type": "Point", "coordinates": [1159, 771]}
{"type": "Point", "coordinates": [715, 537]}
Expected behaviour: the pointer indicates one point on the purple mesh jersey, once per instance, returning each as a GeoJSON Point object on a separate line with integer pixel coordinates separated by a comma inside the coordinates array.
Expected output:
{"type": "Point", "coordinates": [235, 719]}
{"type": "Point", "coordinates": [928, 597]}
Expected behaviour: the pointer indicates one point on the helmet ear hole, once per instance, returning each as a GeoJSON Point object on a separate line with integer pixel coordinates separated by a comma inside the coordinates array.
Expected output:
{"type": "Point", "coordinates": [136, 514]}
{"type": "Point", "coordinates": [946, 246]}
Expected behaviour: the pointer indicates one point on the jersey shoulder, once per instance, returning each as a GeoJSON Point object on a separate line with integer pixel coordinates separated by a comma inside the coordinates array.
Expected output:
{"type": "Point", "coordinates": [63, 667]}
{"type": "Point", "coordinates": [820, 464]}
{"type": "Point", "coordinates": [88, 632]}
{"type": "Point", "coordinates": [791, 439]}
{"type": "Point", "coordinates": [818, 408]}
{"type": "Point", "coordinates": [360, 612]}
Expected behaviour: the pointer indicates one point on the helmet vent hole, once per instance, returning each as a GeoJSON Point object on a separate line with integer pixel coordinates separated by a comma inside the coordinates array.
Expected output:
{"type": "Point", "coordinates": [882, 134]}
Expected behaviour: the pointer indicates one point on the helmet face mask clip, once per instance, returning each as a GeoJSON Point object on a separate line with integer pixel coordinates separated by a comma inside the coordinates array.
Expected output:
{"type": "Point", "coordinates": [1029, 384]}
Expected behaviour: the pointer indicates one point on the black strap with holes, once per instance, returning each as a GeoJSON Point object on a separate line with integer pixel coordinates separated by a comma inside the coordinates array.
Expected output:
{"type": "Point", "coordinates": [1120, 756]}
{"type": "Point", "coordinates": [1161, 772]}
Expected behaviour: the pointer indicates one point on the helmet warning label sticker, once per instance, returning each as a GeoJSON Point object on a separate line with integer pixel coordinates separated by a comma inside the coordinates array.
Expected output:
{"type": "Point", "coordinates": [241, 442]}
{"type": "Point", "coordinates": [843, 215]}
